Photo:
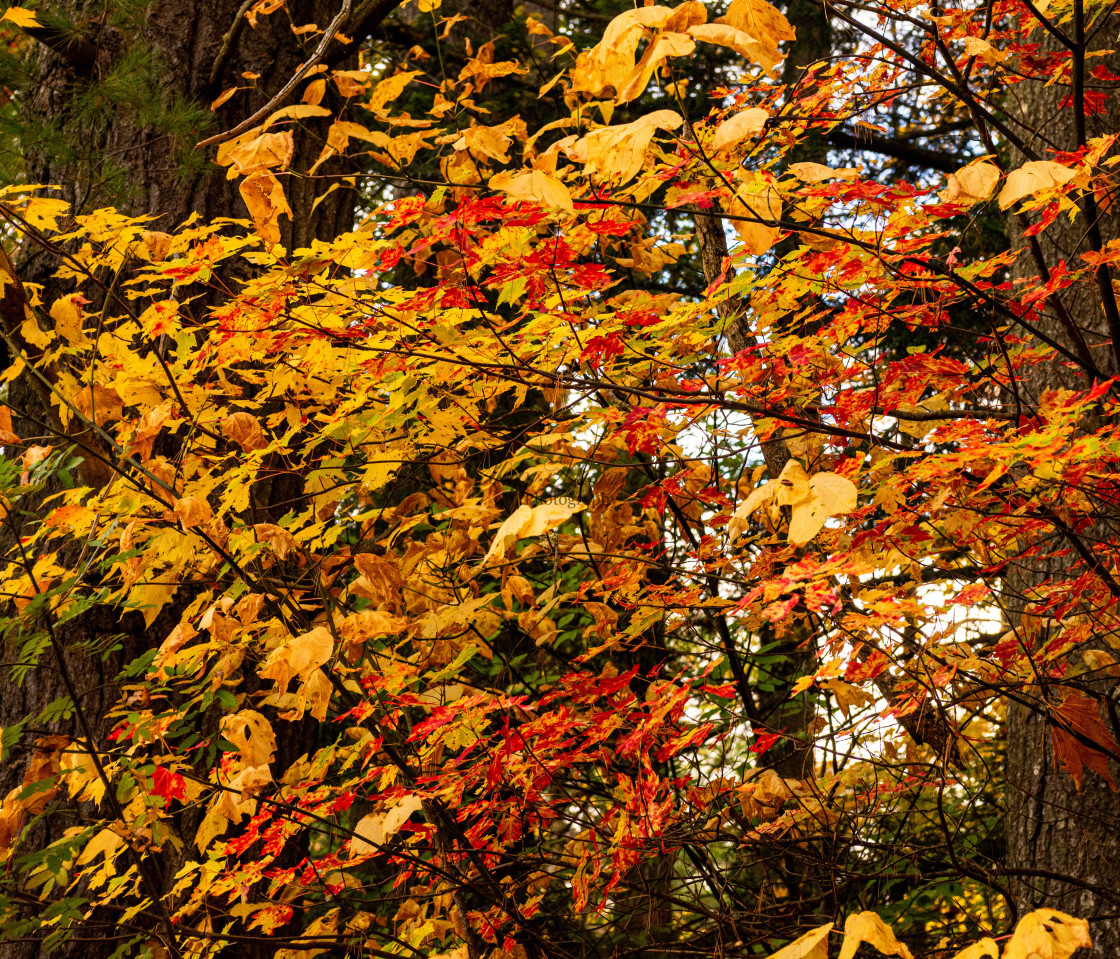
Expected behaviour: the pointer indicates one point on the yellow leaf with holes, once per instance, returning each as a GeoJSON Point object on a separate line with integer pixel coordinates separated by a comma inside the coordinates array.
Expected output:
{"type": "Point", "coordinates": [35, 335]}
{"type": "Point", "coordinates": [67, 315]}
{"type": "Point", "coordinates": [1031, 178]}
{"type": "Point", "coordinates": [252, 734]}
{"type": "Point", "coordinates": [1048, 934]}
{"type": "Point", "coordinates": [867, 927]}
{"type": "Point", "coordinates": [747, 123]}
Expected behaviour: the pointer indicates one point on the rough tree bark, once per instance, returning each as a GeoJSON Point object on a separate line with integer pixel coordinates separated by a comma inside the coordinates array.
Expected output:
{"type": "Point", "coordinates": [1063, 844]}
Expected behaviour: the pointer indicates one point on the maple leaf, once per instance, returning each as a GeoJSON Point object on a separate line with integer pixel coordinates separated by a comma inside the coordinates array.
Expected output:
{"type": "Point", "coordinates": [1079, 719]}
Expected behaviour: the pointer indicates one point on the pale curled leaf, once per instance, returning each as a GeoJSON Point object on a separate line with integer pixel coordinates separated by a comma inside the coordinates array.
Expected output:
{"type": "Point", "coordinates": [300, 656]}
{"type": "Point", "coordinates": [377, 829]}
{"type": "Point", "coordinates": [809, 172]}
{"type": "Point", "coordinates": [747, 123]}
{"type": "Point", "coordinates": [533, 186]}
{"type": "Point", "coordinates": [665, 45]}
{"type": "Point", "coordinates": [529, 521]}
{"type": "Point", "coordinates": [1032, 178]}
{"type": "Point", "coordinates": [971, 184]}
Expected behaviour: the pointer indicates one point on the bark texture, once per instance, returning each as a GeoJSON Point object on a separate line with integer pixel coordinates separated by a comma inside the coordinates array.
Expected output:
{"type": "Point", "coordinates": [1063, 844]}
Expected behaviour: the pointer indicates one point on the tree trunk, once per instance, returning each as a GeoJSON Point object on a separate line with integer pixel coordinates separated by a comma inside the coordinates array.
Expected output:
{"type": "Point", "coordinates": [1063, 843]}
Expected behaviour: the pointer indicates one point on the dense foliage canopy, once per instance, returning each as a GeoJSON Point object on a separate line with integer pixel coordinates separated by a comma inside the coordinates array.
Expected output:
{"type": "Point", "coordinates": [631, 538]}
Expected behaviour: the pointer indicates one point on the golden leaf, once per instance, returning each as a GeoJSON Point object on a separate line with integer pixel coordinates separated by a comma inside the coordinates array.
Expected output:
{"type": "Point", "coordinates": [756, 209]}
{"type": "Point", "coordinates": [868, 927]}
{"type": "Point", "coordinates": [1031, 178]}
{"type": "Point", "coordinates": [618, 152]}
{"type": "Point", "coordinates": [315, 91]}
{"type": "Point", "coordinates": [299, 656]}
{"type": "Point", "coordinates": [978, 47]}
{"type": "Point", "coordinates": [264, 152]}
{"type": "Point", "coordinates": [971, 184]}
{"type": "Point", "coordinates": [265, 200]}
{"type": "Point", "coordinates": [809, 172]}
{"type": "Point", "coordinates": [102, 404]}
{"type": "Point", "coordinates": [388, 90]}
{"type": "Point", "coordinates": [980, 950]}
{"type": "Point", "coordinates": [377, 829]}
{"type": "Point", "coordinates": [223, 97]}
{"type": "Point", "coordinates": [1048, 934]}
{"type": "Point", "coordinates": [21, 17]}
{"type": "Point", "coordinates": [244, 429]}
{"type": "Point", "coordinates": [534, 187]}
{"type": "Point", "coordinates": [252, 734]}
{"type": "Point", "coordinates": [193, 511]}
{"type": "Point", "coordinates": [812, 945]}
{"type": "Point", "coordinates": [747, 123]}
{"type": "Point", "coordinates": [7, 432]}
{"type": "Point", "coordinates": [156, 244]}
{"type": "Point", "coordinates": [759, 19]}
{"type": "Point", "coordinates": [724, 35]}
{"type": "Point", "coordinates": [67, 315]}
{"type": "Point", "coordinates": [529, 521]}
{"type": "Point", "coordinates": [610, 63]}
{"type": "Point", "coordinates": [665, 45]}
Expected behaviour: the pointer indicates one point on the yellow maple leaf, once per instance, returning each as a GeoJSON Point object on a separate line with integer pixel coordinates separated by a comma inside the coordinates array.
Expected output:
{"type": "Point", "coordinates": [21, 17]}
{"type": "Point", "coordinates": [862, 927]}
{"type": "Point", "coordinates": [300, 656]}
{"type": "Point", "coordinates": [533, 186]}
